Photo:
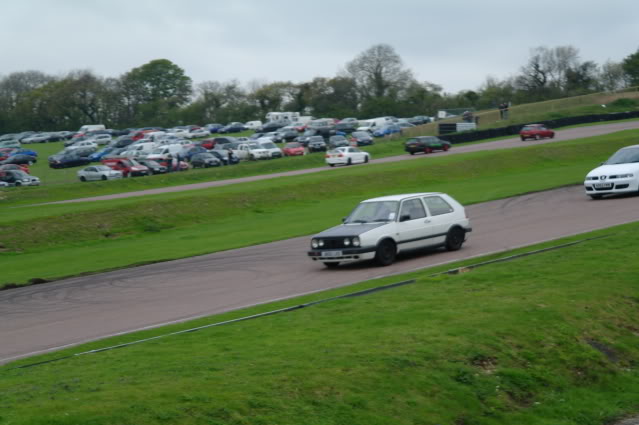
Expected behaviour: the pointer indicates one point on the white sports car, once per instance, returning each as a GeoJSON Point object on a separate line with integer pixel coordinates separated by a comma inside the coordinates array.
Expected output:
{"type": "Point", "coordinates": [380, 228]}
{"type": "Point", "coordinates": [619, 174]}
{"type": "Point", "coordinates": [346, 156]}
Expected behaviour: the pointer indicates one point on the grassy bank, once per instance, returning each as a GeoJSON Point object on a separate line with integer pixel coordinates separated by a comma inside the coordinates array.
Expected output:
{"type": "Point", "coordinates": [39, 242]}
{"type": "Point", "coordinates": [538, 340]}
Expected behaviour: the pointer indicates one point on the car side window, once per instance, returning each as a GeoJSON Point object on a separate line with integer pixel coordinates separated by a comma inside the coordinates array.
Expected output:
{"type": "Point", "coordinates": [437, 205]}
{"type": "Point", "coordinates": [413, 208]}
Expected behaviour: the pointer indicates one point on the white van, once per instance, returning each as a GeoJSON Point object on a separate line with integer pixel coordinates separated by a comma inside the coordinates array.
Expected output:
{"type": "Point", "coordinates": [91, 127]}
{"type": "Point", "coordinates": [253, 125]}
{"type": "Point", "coordinates": [374, 123]}
{"type": "Point", "coordinates": [162, 153]}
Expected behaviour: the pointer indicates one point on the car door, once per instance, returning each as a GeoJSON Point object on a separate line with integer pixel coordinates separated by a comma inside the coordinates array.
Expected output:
{"type": "Point", "coordinates": [89, 173]}
{"type": "Point", "coordinates": [441, 217]}
{"type": "Point", "coordinates": [414, 229]}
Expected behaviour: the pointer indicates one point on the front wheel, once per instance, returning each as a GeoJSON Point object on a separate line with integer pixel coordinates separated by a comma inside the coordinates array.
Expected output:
{"type": "Point", "coordinates": [386, 253]}
{"type": "Point", "coordinates": [83, 179]}
{"type": "Point", "coordinates": [104, 178]}
{"type": "Point", "coordinates": [523, 139]}
{"type": "Point", "coordinates": [455, 239]}
{"type": "Point", "coordinates": [446, 147]}
{"type": "Point", "coordinates": [366, 159]}
{"type": "Point", "coordinates": [332, 165]}
{"type": "Point", "coordinates": [349, 162]}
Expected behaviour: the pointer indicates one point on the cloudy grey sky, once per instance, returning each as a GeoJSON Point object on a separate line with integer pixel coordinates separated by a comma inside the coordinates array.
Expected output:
{"type": "Point", "coordinates": [455, 44]}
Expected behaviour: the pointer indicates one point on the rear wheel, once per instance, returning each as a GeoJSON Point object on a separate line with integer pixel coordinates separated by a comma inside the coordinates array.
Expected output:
{"type": "Point", "coordinates": [104, 177]}
{"type": "Point", "coordinates": [412, 153]}
{"type": "Point", "coordinates": [386, 253]}
{"type": "Point", "coordinates": [446, 147]}
{"type": "Point", "coordinates": [83, 179]}
{"type": "Point", "coordinates": [349, 162]}
{"type": "Point", "coordinates": [552, 136]}
{"type": "Point", "coordinates": [332, 165]}
{"type": "Point", "coordinates": [331, 265]}
{"type": "Point", "coordinates": [523, 139]}
{"type": "Point", "coordinates": [428, 150]}
{"type": "Point", "coordinates": [455, 239]}
{"type": "Point", "coordinates": [365, 159]}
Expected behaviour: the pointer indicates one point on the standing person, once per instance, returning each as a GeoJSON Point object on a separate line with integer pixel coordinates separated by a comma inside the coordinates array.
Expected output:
{"type": "Point", "coordinates": [506, 105]}
{"type": "Point", "coordinates": [169, 160]}
{"type": "Point", "coordinates": [175, 163]}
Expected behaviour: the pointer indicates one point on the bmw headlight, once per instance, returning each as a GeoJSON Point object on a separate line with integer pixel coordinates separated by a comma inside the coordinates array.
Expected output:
{"type": "Point", "coordinates": [314, 243]}
{"type": "Point", "coordinates": [625, 176]}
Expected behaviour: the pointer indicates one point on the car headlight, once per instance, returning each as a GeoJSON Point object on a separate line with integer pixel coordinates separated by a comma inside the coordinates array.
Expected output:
{"type": "Point", "coordinates": [356, 241]}
{"type": "Point", "coordinates": [347, 242]}
{"type": "Point", "coordinates": [314, 243]}
{"type": "Point", "coordinates": [320, 242]}
{"type": "Point", "coordinates": [625, 176]}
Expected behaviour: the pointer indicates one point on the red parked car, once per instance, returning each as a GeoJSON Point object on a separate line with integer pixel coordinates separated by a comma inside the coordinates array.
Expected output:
{"type": "Point", "coordinates": [293, 149]}
{"type": "Point", "coordinates": [21, 167]}
{"type": "Point", "coordinates": [535, 131]}
{"type": "Point", "coordinates": [129, 167]}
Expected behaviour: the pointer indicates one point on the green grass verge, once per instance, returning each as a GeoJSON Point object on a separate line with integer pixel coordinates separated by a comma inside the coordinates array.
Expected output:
{"type": "Point", "coordinates": [538, 340]}
{"type": "Point", "coordinates": [38, 242]}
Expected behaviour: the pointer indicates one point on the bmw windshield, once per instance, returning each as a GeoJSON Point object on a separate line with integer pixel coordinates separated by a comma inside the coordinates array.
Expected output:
{"type": "Point", "coordinates": [373, 212]}
{"type": "Point", "coordinates": [624, 156]}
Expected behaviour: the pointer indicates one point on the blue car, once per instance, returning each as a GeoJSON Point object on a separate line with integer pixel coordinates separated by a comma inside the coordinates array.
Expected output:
{"type": "Point", "coordinates": [387, 130]}
{"type": "Point", "coordinates": [97, 156]}
{"type": "Point", "coordinates": [24, 152]}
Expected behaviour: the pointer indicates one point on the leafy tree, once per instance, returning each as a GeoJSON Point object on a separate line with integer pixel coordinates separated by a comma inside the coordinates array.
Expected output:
{"type": "Point", "coordinates": [631, 67]}
{"type": "Point", "coordinates": [378, 72]}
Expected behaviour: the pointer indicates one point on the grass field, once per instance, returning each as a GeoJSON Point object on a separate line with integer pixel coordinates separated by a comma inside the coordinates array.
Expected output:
{"type": "Point", "coordinates": [546, 339]}
{"type": "Point", "coordinates": [61, 240]}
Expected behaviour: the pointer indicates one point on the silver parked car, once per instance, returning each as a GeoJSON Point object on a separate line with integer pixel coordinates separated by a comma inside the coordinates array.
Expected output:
{"type": "Point", "coordinates": [98, 172]}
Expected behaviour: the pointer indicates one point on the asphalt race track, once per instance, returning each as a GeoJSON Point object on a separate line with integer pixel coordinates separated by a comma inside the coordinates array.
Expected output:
{"type": "Point", "coordinates": [46, 317]}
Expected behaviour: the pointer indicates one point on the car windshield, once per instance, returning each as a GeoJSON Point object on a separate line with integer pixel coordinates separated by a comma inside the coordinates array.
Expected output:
{"type": "Point", "coordinates": [624, 156]}
{"type": "Point", "coordinates": [373, 212]}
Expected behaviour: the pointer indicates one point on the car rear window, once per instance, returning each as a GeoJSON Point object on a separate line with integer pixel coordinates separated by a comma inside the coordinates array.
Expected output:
{"type": "Point", "coordinates": [437, 205]}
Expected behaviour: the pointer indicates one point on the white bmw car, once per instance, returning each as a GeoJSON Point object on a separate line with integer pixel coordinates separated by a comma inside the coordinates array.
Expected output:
{"type": "Point", "coordinates": [380, 228]}
{"type": "Point", "coordinates": [619, 174]}
{"type": "Point", "coordinates": [346, 156]}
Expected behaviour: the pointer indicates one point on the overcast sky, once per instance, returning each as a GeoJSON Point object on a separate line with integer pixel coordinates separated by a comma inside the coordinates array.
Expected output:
{"type": "Point", "coordinates": [455, 44]}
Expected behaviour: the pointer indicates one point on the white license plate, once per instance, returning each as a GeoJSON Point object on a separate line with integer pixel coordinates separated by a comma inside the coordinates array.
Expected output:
{"type": "Point", "coordinates": [603, 185]}
{"type": "Point", "coordinates": [332, 254]}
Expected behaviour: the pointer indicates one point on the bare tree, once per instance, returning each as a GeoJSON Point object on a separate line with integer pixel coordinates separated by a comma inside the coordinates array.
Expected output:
{"type": "Point", "coordinates": [612, 76]}
{"type": "Point", "coordinates": [379, 72]}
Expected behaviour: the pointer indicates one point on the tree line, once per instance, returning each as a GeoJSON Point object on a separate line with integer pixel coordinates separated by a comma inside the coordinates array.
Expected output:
{"type": "Point", "coordinates": [375, 83]}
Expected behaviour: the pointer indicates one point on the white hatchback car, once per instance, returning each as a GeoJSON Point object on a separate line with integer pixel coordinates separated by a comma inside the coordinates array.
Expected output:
{"type": "Point", "coordinates": [619, 174]}
{"type": "Point", "coordinates": [380, 228]}
{"type": "Point", "coordinates": [346, 156]}
{"type": "Point", "coordinates": [98, 172]}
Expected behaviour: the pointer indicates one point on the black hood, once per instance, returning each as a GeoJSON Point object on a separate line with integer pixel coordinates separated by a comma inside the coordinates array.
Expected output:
{"type": "Point", "coordinates": [349, 230]}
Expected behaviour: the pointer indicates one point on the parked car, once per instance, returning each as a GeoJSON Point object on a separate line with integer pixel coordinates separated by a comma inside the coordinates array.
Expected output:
{"type": "Point", "coordinates": [89, 144]}
{"type": "Point", "coordinates": [205, 160]}
{"type": "Point", "coordinates": [234, 127]}
{"type": "Point", "coordinates": [316, 144]}
{"type": "Point", "coordinates": [21, 167]}
{"type": "Point", "coordinates": [535, 131]}
{"type": "Point", "coordinates": [211, 143]}
{"type": "Point", "coordinates": [10, 144]}
{"type": "Point", "coordinates": [387, 130]}
{"type": "Point", "coordinates": [128, 167]}
{"type": "Point", "coordinates": [346, 156]}
{"type": "Point", "coordinates": [20, 159]}
{"type": "Point", "coordinates": [362, 138]}
{"type": "Point", "coordinates": [226, 156]}
{"type": "Point", "coordinates": [101, 139]}
{"type": "Point", "coordinates": [213, 128]}
{"type": "Point", "coordinates": [18, 178]}
{"type": "Point", "coordinates": [619, 174]}
{"type": "Point", "coordinates": [293, 149]}
{"type": "Point", "coordinates": [37, 138]}
{"type": "Point", "coordinates": [346, 127]}
{"type": "Point", "coordinates": [197, 133]}
{"type": "Point", "coordinates": [268, 144]}
{"type": "Point", "coordinates": [337, 141]}
{"type": "Point", "coordinates": [378, 229]}
{"type": "Point", "coordinates": [98, 172]}
{"type": "Point", "coordinates": [153, 166]}
{"type": "Point", "coordinates": [426, 144]}
{"type": "Point", "coordinates": [66, 160]}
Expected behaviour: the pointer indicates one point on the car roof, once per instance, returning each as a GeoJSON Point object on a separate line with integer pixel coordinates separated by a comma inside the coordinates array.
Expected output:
{"type": "Point", "coordinates": [402, 196]}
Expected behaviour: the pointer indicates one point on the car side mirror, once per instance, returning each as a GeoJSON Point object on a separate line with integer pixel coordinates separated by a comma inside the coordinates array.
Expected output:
{"type": "Point", "coordinates": [405, 217]}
